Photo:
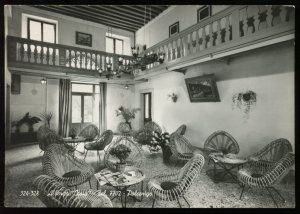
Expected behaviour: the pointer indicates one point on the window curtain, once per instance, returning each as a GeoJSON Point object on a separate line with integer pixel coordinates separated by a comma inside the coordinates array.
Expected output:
{"type": "Point", "coordinates": [65, 96]}
{"type": "Point", "coordinates": [102, 107]}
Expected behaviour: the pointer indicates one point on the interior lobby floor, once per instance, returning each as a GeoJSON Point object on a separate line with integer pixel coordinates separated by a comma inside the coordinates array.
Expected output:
{"type": "Point", "coordinates": [23, 164]}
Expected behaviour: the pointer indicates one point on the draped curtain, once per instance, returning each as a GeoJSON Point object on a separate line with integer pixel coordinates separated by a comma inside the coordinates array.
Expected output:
{"type": "Point", "coordinates": [65, 96]}
{"type": "Point", "coordinates": [102, 107]}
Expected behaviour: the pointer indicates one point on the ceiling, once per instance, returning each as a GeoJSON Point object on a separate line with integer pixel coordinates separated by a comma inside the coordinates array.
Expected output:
{"type": "Point", "coordinates": [126, 17]}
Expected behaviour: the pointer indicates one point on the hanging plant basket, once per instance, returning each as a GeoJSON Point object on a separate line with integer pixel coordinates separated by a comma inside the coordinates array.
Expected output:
{"type": "Point", "coordinates": [245, 101]}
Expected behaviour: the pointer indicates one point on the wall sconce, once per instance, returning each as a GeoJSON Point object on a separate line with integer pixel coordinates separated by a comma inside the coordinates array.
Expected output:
{"type": "Point", "coordinates": [173, 96]}
{"type": "Point", "coordinates": [43, 81]}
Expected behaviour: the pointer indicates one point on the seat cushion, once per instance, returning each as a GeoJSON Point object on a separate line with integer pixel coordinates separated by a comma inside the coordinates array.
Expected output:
{"type": "Point", "coordinates": [167, 185]}
{"type": "Point", "coordinates": [71, 174]}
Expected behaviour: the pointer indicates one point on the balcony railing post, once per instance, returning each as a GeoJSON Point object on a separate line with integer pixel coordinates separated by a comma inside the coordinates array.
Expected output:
{"type": "Point", "coordinates": [62, 57]}
{"type": "Point", "coordinates": [235, 24]}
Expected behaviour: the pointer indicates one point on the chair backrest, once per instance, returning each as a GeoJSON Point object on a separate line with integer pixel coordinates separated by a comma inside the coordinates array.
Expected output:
{"type": "Point", "coordinates": [136, 157]}
{"type": "Point", "coordinates": [90, 132]}
{"type": "Point", "coordinates": [188, 173]}
{"type": "Point", "coordinates": [105, 138]}
{"type": "Point", "coordinates": [53, 194]}
{"type": "Point", "coordinates": [152, 126]}
{"type": "Point", "coordinates": [221, 141]}
{"type": "Point", "coordinates": [275, 150]}
{"type": "Point", "coordinates": [181, 129]}
{"type": "Point", "coordinates": [47, 136]}
{"type": "Point", "coordinates": [180, 144]}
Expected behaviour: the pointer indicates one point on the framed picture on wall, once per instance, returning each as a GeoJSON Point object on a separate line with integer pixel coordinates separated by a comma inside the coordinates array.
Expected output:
{"type": "Point", "coordinates": [203, 12]}
{"type": "Point", "coordinates": [173, 29]}
{"type": "Point", "coordinates": [202, 89]}
{"type": "Point", "coordinates": [15, 84]}
{"type": "Point", "coordinates": [83, 39]}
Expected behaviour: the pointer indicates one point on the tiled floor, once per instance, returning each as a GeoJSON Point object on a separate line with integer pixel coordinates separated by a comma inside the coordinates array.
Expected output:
{"type": "Point", "coordinates": [23, 164]}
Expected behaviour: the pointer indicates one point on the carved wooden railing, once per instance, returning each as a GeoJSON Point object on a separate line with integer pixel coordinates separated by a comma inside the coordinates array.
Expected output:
{"type": "Point", "coordinates": [35, 54]}
{"type": "Point", "coordinates": [232, 27]}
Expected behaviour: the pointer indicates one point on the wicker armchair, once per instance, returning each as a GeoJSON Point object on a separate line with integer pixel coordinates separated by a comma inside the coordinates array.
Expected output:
{"type": "Point", "coordinates": [136, 157]}
{"type": "Point", "coordinates": [105, 139]}
{"type": "Point", "coordinates": [173, 186]}
{"type": "Point", "coordinates": [145, 135]}
{"type": "Point", "coordinates": [59, 164]}
{"type": "Point", "coordinates": [47, 136]}
{"type": "Point", "coordinates": [270, 154]}
{"type": "Point", "coordinates": [258, 177]}
{"type": "Point", "coordinates": [181, 147]}
{"type": "Point", "coordinates": [90, 132]}
{"type": "Point", "coordinates": [181, 129]}
{"type": "Point", "coordinates": [53, 194]}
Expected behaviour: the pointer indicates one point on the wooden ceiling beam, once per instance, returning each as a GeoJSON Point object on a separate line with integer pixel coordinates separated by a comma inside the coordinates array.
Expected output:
{"type": "Point", "coordinates": [107, 17]}
{"type": "Point", "coordinates": [105, 22]}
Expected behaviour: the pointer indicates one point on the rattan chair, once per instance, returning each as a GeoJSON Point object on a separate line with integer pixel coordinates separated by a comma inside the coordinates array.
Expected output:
{"type": "Point", "coordinates": [145, 135]}
{"type": "Point", "coordinates": [181, 147]}
{"type": "Point", "coordinates": [57, 162]}
{"type": "Point", "coordinates": [181, 129]}
{"type": "Point", "coordinates": [105, 139]}
{"type": "Point", "coordinates": [257, 177]}
{"type": "Point", "coordinates": [136, 157]}
{"type": "Point", "coordinates": [47, 136]}
{"type": "Point", "coordinates": [53, 194]}
{"type": "Point", "coordinates": [173, 186]}
{"type": "Point", "coordinates": [270, 154]}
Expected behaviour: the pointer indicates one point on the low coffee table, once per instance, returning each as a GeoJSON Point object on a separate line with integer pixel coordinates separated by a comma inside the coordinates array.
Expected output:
{"type": "Point", "coordinates": [74, 142]}
{"type": "Point", "coordinates": [227, 162]}
{"type": "Point", "coordinates": [121, 181]}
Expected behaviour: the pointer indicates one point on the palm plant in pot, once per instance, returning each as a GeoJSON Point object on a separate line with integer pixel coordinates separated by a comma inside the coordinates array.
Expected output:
{"type": "Point", "coordinates": [127, 113]}
{"type": "Point", "coordinates": [121, 152]}
{"type": "Point", "coordinates": [47, 118]}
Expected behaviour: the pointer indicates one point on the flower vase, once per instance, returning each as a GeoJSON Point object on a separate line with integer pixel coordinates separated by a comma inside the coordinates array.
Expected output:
{"type": "Point", "coordinates": [120, 167]}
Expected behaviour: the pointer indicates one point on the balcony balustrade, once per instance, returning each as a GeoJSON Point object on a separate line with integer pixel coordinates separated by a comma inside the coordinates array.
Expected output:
{"type": "Point", "coordinates": [230, 31]}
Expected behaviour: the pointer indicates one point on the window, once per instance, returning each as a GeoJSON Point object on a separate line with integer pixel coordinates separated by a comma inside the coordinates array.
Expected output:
{"type": "Point", "coordinates": [114, 45]}
{"type": "Point", "coordinates": [41, 30]}
{"type": "Point", "coordinates": [85, 105]}
{"type": "Point", "coordinates": [147, 107]}
{"type": "Point", "coordinates": [203, 12]}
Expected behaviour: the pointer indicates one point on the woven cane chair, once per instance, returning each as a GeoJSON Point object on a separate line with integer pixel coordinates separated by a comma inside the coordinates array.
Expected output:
{"type": "Point", "coordinates": [181, 147]}
{"type": "Point", "coordinates": [181, 129]}
{"type": "Point", "coordinates": [90, 132]}
{"type": "Point", "coordinates": [270, 154]}
{"type": "Point", "coordinates": [173, 186]}
{"type": "Point", "coordinates": [258, 177]}
{"type": "Point", "coordinates": [105, 139]}
{"type": "Point", "coordinates": [47, 136]}
{"type": "Point", "coordinates": [136, 157]}
{"type": "Point", "coordinates": [59, 164]}
{"type": "Point", "coordinates": [145, 135]}
{"type": "Point", "coordinates": [53, 194]}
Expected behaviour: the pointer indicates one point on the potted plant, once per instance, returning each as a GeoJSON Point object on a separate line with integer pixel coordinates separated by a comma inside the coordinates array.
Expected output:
{"type": "Point", "coordinates": [47, 118]}
{"type": "Point", "coordinates": [30, 121]}
{"type": "Point", "coordinates": [121, 152]}
{"type": "Point", "coordinates": [163, 140]}
{"type": "Point", "coordinates": [73, 133]}
{"type": "Point", "coordinates": [245, 101]}
{"type": "Point", "coordinates": [128, 114]}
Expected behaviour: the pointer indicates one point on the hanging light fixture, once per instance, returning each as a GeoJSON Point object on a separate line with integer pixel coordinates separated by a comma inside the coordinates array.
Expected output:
{"type": "Point", "coordinates": [43, 80]}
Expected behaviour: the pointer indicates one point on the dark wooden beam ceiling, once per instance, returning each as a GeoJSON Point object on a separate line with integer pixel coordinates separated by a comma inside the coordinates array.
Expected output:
{"type": "Point", "coordinates": [126, 17]}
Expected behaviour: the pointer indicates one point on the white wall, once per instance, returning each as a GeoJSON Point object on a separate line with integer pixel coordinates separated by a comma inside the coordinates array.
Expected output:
{"type": "Point", "coordinates": [34, 98]}
{"type": "Point", "coordinates": [117, 96]}
{"type": "Point", "coordinates": [185, 14]}
{"type": "Point", "coordinates": [269, 72]}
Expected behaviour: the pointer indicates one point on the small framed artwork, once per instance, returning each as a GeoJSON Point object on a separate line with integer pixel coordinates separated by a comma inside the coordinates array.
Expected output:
{"type": "Point", "coordinates": [202, 89]}
{"type": "Point", "coordinates": [15, 84]}
{"type": "Point", "coordinates": [203, 12]}
{"type": "Point", "coordinates": [83, 39]}
{"type": "Point", "coordinates": [173, 29]}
